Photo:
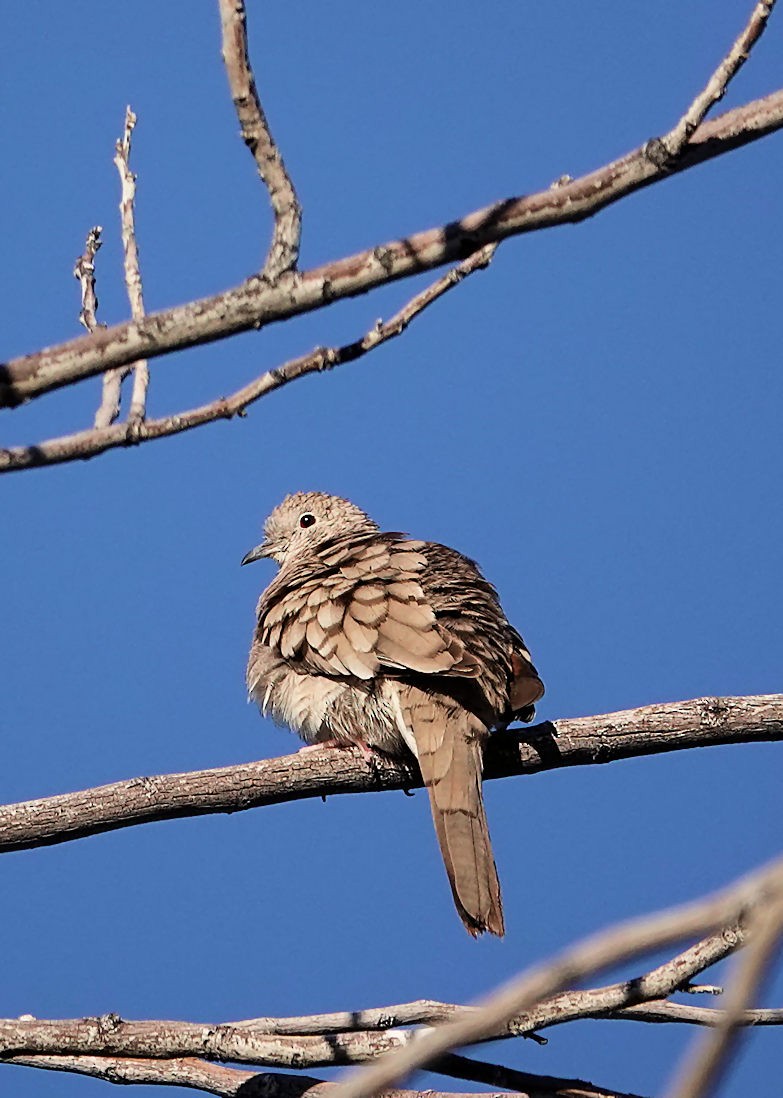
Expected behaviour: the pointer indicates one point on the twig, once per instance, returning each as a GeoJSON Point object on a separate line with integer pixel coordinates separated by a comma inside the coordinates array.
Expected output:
{"type": "Point", "coordinates": [569, 742]}
{"type": "Point", "coordinates": [141, 374]}
{"type": "Point", "coordinates": [109, 407]}
{"type": "Point", "coordinates": [620, 999]}
{"type": "Point", "coordinates": [86, 444]}
{"type": "Point", "coordinates": [666, 1013]}
{"type": "Point", "coordinates": [84, 270]}
{"type": "Point", "coordinates": [677, 138]}
{"type": "Point", "coordinates": [615, 945]}
{"type": "Point", "coordinates": [257, 303]}
{"type": "Point", "coordinates": [705, 1065]}
{"type": "Point", "coordinates": [284, 249]}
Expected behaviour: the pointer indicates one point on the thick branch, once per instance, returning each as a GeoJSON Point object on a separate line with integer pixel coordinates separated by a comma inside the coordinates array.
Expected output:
{"type": "Point", "coordinates": [568, 742]}
{"type": "Point", "coordinates": [256, 303]}
{"type": "Point", "coordinates": [110, 1035]}
{"type": "Point", "coordinates": [284, 249]}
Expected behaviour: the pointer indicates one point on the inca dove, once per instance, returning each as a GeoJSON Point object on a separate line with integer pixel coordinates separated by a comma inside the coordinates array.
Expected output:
{"type": "Point", "coordinates": [371, 638]}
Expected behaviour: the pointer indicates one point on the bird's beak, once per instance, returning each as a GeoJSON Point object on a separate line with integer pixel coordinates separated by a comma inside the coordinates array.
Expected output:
{"type": "Point", "coordinates": [260, 551]}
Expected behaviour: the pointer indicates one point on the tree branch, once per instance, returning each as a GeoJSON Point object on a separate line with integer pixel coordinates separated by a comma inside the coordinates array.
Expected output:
{"type": "Point", "coordinates": [141, 373]}
{"type": "Point", "coordinates": [109, 407]}
{"type": "Point", "coordinates": [528, 1084]}
{"type": "Point", "coordinates": [610, 947]}
{"type": "Point", "coordinates": [334, 1039]}
{"type": "Point", "coordinates": [84, 270]}
{"type": "Point", "coordinates": [222, 1081]}
{"type": "Point", "coordinates": [705, 1065]}
{"type": "Point", "coordinates": [284, 249]}
{"type": "Point", "coordinates": [256, 303]}
{"type": "Point", "coordinates": [86, 444]}
{"type": "Point", "coordinates": [677, 138]}
{"type": "Point", "coordinates": [578, 741]}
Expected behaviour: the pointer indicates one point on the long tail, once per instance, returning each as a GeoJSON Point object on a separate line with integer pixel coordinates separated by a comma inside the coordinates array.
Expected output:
{"type": "Point", "coordinates": [448, 743]}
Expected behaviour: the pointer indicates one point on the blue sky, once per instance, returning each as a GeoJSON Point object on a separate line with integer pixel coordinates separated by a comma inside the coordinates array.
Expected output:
{"type": "Point", "coordinates": [596, 420]}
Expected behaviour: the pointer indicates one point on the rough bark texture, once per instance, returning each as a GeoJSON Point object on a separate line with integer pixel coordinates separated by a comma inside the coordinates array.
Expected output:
{"type": "Point", "coordinates": [576, 741]}
{"type": "Point", "coordinates": [258, 302]}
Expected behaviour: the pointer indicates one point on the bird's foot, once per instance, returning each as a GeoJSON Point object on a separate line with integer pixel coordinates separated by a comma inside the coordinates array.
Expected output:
{"type": "Point", "coordinates": [317, 746]}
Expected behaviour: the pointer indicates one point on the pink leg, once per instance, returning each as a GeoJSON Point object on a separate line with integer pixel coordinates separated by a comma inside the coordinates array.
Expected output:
{"type": "Point", "coordinates": [332, 744]}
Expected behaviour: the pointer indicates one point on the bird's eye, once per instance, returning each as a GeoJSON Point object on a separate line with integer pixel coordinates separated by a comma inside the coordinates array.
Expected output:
{"type": "Point", "coordinates": [306, 520]}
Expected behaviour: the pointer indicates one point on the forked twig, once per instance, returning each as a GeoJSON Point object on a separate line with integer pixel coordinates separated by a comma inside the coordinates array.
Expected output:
{"type": "Point", "coordinates": [678, 137]}
{"type": "Point", "coordinates": [89, 443]}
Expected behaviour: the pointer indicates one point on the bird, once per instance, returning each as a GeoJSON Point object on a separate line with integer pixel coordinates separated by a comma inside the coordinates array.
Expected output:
{"type": "Point", "coordinates": [396, 645]}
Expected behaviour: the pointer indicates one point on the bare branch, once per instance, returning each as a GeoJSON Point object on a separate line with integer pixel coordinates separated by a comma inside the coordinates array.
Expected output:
{"type": "Point", "coordinates": [568, 742]}
{"type": "Point", "coordinates": [665, 1012]}
{"type": "Point", "coordinates": [222, 1081]}
{"type": "Point", "coordinates": [141, 374]}
{"type": "Point", "coordinates": [86, 444]}
{"type": "Point", "coordinates": [84, 270]}
{"type": "Point", "coordinates": [110, 1035]}
{"type": "Point", "coordinates": [528, 1084]}
{"type": "Point", "coordinates": [256, 303]}
{"type": "Point", "coordinates": [109, 407]}
{"type": "Point", "coordinates": [284, 249]}
{"type": "Point", "coordinates": [507, 1013]}
{"type": "Point", "coordinates": [705, 1066]}
{"type": "Point", "coordinates": [190, 1073]}
{"type": "Point", "coordinates": [419, 1012]}
{"type": "Point", "coordinates": [620, 999]}
{"type": "Point", "coordinates": [676, 140]}
{"type": "Point", "coordinates": [615, 945]}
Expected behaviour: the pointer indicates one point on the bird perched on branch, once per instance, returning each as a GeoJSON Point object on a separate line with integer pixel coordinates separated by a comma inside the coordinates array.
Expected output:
{"type": "Point", "coordinates": [370, 638]}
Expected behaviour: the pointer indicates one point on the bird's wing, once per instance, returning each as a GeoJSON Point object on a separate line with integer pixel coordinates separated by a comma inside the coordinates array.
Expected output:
{"type": "Point", "coordinates": [466, 605]}
{"type": "Point", "coordinates": [360, 609]}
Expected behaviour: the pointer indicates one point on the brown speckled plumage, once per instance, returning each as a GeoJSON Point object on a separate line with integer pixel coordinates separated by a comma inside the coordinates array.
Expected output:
{"type": "Point", "coordinates": [373, 638]}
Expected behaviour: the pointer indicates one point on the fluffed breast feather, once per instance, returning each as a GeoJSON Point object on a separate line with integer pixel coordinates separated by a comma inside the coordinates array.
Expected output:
{"type": "Point", "coordinates": [371, 603]}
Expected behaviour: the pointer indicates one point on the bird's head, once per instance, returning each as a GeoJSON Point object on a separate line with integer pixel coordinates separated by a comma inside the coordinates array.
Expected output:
{"type": "Point", "coordinates": [306, 520]}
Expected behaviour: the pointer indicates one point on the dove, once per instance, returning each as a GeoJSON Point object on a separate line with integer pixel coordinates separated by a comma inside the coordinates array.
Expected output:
{"type": "Point", "coordinates": [396, 645]}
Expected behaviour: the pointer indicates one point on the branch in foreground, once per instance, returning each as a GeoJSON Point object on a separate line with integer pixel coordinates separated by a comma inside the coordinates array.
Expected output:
{"type": "Point", "coordinates": [704, 1067]}
{"type": "Point", "coordinates": [284, 249]}
{"type": "Point", "coordinates": [222, 1081]}
{"type": "Point", "coordinates": [334, 1039]}
{"type": "Point", "coordinates": [356, 1036]}
{"type": "Point", "coordinates": [615, 945]}
{"type": "Point", "coordinates": [256, 303]}
{"type": "Point", "coordinates": [86, 444]}
{"type": "Point", "coordinates": [579, 741]}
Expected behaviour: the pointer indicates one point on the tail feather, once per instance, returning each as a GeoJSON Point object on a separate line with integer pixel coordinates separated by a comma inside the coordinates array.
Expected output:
{"type": "Point", "coordinates": [448, 745]}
